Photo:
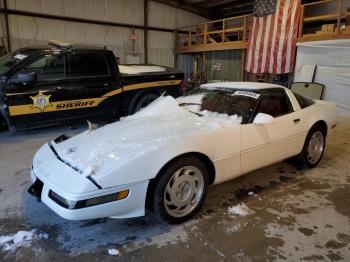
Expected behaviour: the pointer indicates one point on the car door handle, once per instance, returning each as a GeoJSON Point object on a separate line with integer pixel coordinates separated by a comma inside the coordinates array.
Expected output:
{"type": "Point", "coordinates": [57, 88]}
{"type": "Point", "coordinates": [296, 121]}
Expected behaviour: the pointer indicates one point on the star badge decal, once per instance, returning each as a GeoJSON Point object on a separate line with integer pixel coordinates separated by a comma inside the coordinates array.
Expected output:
{"type": "Point", "coordinates": [41, 101]}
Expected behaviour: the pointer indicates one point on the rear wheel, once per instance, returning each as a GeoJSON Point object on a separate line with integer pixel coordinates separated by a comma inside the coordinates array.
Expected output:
{"type": "Point", "coordinates": [144, 101]}
{"type": "Point", "coordinates": [3, 125]}
{"type": "Point", "coordinates": [314, 147]}
{"type": "Point", "coordinates": [181, 190]}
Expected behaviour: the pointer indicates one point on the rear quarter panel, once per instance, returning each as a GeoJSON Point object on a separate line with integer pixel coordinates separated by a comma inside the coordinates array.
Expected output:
{"type": "Point", "coordinates": [321, 111]}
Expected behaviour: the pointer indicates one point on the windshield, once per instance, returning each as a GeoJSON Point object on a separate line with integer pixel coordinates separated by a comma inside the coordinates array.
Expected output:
{"type": "Point", "coordinates": [9, 61]}
{"type": "Point", "coordinates": [226, 104]}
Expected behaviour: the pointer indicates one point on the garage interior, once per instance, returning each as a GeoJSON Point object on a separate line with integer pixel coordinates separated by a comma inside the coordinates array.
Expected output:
{"type": "Point", "coordinates": [292, 214]}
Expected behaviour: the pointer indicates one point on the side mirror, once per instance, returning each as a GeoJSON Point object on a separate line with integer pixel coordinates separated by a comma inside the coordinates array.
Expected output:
{"type": "Point", "coordinates": [262, 119]}
{"type": "Point", "coordinates": [26, 77]}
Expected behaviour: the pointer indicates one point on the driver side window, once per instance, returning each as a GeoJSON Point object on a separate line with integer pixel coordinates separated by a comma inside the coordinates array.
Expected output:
{"type": "Point", "coordinates": [49, 67]}
{"type": "Point", "coordinates": [274, 103]}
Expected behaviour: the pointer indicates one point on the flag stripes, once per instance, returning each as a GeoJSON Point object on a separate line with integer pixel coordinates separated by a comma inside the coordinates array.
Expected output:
{"type": "Point", "coordinates": [272, 40]}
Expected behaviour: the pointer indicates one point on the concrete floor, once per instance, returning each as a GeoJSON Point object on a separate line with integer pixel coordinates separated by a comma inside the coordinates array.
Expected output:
{"type": "Point", "coordinates": [299, 215]}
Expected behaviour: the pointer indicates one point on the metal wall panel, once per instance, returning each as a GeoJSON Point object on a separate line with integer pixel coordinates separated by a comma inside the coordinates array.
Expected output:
{"type": "Point", "coordinates": [161, 48]}
{"type": "Point", "coordinates": [122, 11]}
{"type": "Point", "coordinates": [220, 65]}
{"type": "Point", "coordinates": [27, 31]}
{"type": "Point", "coordinates": [185, 63]}
{"type": "Point", "coordinates": [224, 65]}
{"type": "Point", "coordinates": [171, 17]}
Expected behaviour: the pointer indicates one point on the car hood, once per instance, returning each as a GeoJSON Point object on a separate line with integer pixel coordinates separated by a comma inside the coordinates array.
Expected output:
{"type": "Point", "coordinates": [163, 122]}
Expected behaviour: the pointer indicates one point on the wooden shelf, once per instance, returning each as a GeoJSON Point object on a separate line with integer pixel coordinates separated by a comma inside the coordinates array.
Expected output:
{"type": "Point", "coordinates": [200, 39]}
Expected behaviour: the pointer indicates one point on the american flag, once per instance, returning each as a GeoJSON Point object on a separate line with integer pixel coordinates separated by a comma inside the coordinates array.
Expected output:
{"type": "Point", "coordinates": [273, 35]}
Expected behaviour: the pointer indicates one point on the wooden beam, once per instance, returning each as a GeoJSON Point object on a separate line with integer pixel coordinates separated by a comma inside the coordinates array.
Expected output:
{"type": "Point", "coordinates": [301, 21]}
{"type": "Point", "coordinates": [212, 47]}
{"type": "Point", "coordinates": [321, 37]}
{"type": "Point", "coordinates": [188, 7]}
{"type": "Point", "coordinates": [340, 11]}
{"type": "Point", "coordinates": [237, 4]}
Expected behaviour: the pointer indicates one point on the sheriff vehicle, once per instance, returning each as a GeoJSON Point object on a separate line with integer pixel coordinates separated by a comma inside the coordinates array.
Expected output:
{"type": "Point", "coordinates": [44, 85]}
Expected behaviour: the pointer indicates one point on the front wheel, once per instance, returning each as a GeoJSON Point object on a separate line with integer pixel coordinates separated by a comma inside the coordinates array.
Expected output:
{"type": "Point", "coordinates": [314, 147]}
{"type": "Point", "coordinates": [181, 190]}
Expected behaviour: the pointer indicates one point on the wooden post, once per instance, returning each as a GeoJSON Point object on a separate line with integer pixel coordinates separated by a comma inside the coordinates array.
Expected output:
{"type": "Point", "coordinates": [205, 33]}
{"type": "Point", "coordinates": [242, 64]}
{"type": "Point", "coordinates": [204, 63]}
{"type": "Point", "coordinates": [223, 31]}
{"type": "Point", "coordinates": [176, 36]}
{"type": "Point", "coordinates": [340, 11]}
{"type": "Point", "coordinates": [190, 37]}
{"type": "Point", "coordinates": [245, 28]}
{"type": "Point", "coordinates": [301, 21]}
{"type": "Point", "coordinates": [195, 65]}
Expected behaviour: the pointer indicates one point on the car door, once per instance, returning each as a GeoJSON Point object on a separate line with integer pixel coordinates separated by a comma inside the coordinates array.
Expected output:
{"type": "Point", "coordinates": [93, 84]}
{"type": "Point", "coordinates": [265, 144]}
{"type": "Point", "coordinates": [34, 103]}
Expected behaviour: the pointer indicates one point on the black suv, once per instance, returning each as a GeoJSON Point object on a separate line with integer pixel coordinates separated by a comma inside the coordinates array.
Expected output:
{"type": "Point", "coordinates": [43, 85]}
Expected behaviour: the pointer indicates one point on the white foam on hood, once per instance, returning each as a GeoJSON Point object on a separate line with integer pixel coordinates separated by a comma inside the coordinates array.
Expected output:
{"type": "Point", "coordinates": [161, 122]}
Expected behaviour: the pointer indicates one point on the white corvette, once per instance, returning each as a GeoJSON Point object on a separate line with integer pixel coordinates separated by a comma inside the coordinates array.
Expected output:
{"type": "Point", "coordinates": [166, 155]}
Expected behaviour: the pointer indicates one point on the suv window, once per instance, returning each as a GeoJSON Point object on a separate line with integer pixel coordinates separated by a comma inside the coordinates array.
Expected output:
{"type": "Point", "coordinates": [48, 67]}
{"type": "Point", "coordinates": [303, 101]}
{"type": "Point", "coordinates": [83, 65]}
{"type": "Point", "coordinates": [274, 103]}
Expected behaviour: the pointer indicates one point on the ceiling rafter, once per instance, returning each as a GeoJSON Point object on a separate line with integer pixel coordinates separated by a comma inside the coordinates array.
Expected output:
{"type": "Point", "coordinates": [188, 7]}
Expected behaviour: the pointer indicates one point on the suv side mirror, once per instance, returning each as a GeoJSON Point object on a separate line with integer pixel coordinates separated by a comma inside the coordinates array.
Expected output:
{"type": "Point", "coordinates": [262, 119]}
{"type": "Point", "coordinates": [26, 77]}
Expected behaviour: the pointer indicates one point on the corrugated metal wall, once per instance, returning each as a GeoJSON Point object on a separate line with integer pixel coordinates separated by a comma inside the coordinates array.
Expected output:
{"type": "Point", "coordinates": [25, 30]}
{"type": "Point", "coordinates": [185, 63]}
{"type": "Point", "coordinates": [220, 65]}
{"type": "Point", "coordinates": [159, 49]}
{"type": "Point", "coordinates": [224, 65]}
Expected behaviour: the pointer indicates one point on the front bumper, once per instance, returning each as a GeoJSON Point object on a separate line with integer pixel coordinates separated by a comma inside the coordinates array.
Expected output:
{"type": "Point", "coordinates": [132, 206]}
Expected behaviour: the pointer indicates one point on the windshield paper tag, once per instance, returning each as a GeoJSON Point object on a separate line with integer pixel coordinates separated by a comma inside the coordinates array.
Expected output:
{"type": "Point", "coordinates": [247, 93]}
{"type": "Point", "coordinates": [20, 56]}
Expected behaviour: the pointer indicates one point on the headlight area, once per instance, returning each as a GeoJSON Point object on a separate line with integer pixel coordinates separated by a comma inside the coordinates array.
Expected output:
{"type": "Point", "coordinates": [70, 204]}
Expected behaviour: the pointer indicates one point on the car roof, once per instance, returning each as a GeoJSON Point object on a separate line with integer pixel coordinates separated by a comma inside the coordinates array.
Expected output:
{"type": "Point", "coordinates": [240, 85]}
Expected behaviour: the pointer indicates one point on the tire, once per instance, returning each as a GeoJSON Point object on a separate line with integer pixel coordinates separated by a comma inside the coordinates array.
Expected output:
{"type": "Point", "coordinates": [144, 101]}
{"type": "Point", "coordinates": [3, 126]}
{"type": "Point", "coordinates": [181, 190]}
{"type": "Point", "coordinates": [313, 149]}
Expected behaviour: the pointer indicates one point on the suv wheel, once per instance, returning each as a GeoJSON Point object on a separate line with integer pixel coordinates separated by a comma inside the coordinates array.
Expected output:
{"type": "Point", "coordinates": [144, 101]}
